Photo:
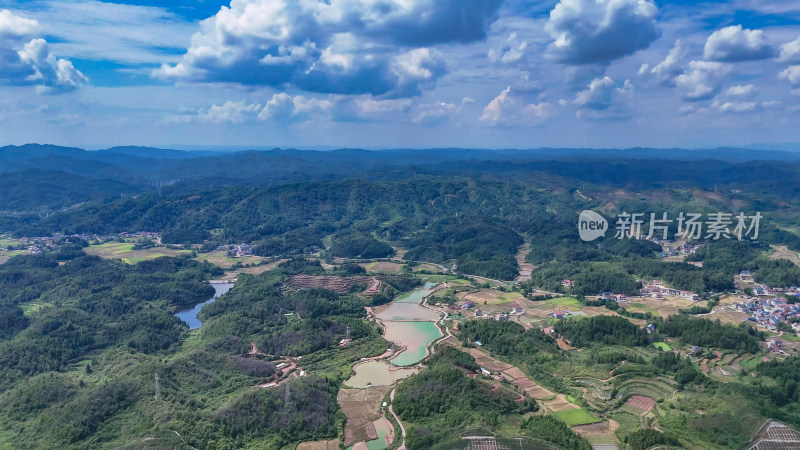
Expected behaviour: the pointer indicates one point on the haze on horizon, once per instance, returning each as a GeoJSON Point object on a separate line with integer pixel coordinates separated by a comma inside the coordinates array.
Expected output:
{"type": "Point", "coordinates": [380, 73]}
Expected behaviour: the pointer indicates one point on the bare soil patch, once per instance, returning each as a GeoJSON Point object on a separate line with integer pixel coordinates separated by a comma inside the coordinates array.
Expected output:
{"type": "Point", "coordinates": [336, 284]}
{"type": "Point", "coordinates": [514, 373]}
{"type": "Point", "coordinates": [525, 268]}
{"type": "Point", "coordinates": [383, 267]}
{"type": "Point", "coordinates": [559, 403]}
{"type": "Point", "coordinates": [361, 407]}
{"type": "Point", "coordinates": [782, 252]}
{"type": "Point", "coordinates": [333, 444]}
{"type": "Point", "coordinates": [641, 402]}
{"type": "Point", "coordinates": [593, 428]}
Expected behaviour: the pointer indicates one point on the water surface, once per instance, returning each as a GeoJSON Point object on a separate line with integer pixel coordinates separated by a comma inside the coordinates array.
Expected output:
{"type": "Point", "coordinates": [188, 314]}
{"type": "Point", "coordinates": [377, 373]}
{"type": "Point", "coordinates": [415, 336]}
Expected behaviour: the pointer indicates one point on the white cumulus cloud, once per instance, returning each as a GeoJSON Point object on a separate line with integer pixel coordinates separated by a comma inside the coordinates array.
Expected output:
{"type": "Point", "coordinates": [32, 63]}
{"type": "Point", "coordinates": [508, 109]}
{"type": "Point", "coordinates": [741, 90]}
{"type": "Point", "coordinates": [601, 94]}
{"type": "Point", "coordinates": [734, 107]}
{"type": "Point", "coordinates": [702, 80]}
{"type": "Point", "coordinates": [511, 51]}
{"type": "Point", "coordinates": [287, 107]}
{"type": "Point", "coordinates": [792, 74]}
{"type": "Point", "coordinates": [734, 43]}
{"type": "Point", "coordinates": [13, 26]}
{"type": "Point", "coordinates": [376, 47]}
{"type": "Point", "coordinates": [600, 31]}
{"type": "Point", "coordinates": [790, 52]}
{"type": "Point", "coordinates": [666, 70]}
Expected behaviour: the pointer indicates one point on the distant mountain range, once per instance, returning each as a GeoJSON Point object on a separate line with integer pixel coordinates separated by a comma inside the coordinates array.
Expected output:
{"type": "Point", "coordinates": [47, 177]}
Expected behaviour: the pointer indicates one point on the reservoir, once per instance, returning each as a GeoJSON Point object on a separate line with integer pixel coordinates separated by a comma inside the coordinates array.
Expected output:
{"type": "Point", "coordinates": [414, 336]}
{"type": "Point", "coordinates": [377, 373]}
{"type": "Point", "coordinates": [410, 325]}
{"type": "Point", "coordinates": [188, 314]}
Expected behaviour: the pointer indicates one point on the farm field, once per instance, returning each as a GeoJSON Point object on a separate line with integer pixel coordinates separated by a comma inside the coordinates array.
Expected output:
{"type": "Point", "coordinates": [125, 252]}
{"type": "Point", "coordinates": [427, 268]}
{"type": "Point", "coordinates": [361, 407]}
{"type": "Point", "coordinates": [563, 302]}
{"type": "Point", "coordinates": [332, 444]}
{"type": "Point", "coordinates": [5, 242]}
{"type": "Point", "coordinates": [781, 252]}
{"type": "Point", "coordinates": [665, 307]}
{"type": "Point", "coordinates": [220, 259]}
{"type": "Point", "coordinates": [382, 266]}
{"type": "Point", "coordinates": [662, 346]}
{"type": "Point", "coordinates": [573, 417]}
{"type": "Point", "coordinates": [5, 255]}
{"type": "Point", "coordinates": [641, 307]}
{"type": "Point", "coordinates": [491, 297]}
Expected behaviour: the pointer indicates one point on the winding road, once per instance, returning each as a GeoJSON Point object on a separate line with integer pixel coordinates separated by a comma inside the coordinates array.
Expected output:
{"type": "Point", "coordinates": [402, 429]}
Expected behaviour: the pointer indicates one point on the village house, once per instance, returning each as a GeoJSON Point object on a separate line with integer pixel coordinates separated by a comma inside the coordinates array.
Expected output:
{"type": "Point", "coordinates": [656, 289]}
{"type": "Point", "coordinates": [774, 345]}
{"type": "Point", "coordinates": [240, 251]}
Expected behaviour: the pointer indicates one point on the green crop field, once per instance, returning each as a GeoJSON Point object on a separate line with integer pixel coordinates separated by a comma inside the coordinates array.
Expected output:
{"type": "Point", "coordinates": [662, 346]}
{"type": "Point", "coordinates": [643, 308]}
{"type": "Point", "coordinates": [564, 302]}
{"type": "Point", "coordinates": [573, 417]}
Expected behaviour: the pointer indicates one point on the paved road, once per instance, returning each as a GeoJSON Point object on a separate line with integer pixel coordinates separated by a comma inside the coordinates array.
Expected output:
{"type": "Point", "coordinates": [402, 429]}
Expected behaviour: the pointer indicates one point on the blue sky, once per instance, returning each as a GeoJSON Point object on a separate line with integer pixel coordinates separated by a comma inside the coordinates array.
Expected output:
{"type": "Point", "coordinates": [400, 73]}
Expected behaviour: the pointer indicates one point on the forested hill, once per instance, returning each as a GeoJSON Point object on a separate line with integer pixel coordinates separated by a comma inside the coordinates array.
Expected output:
{"type": "Point", "coordinates": [131, 170]}
{"type": "Point", "coordinates": [476, 224]}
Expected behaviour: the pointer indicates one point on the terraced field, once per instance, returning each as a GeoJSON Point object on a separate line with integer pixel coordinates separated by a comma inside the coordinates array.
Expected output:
{"type": "Point", "coordinates": [647, 387]}
{"type": "Point", "coordinates": [335, 284]}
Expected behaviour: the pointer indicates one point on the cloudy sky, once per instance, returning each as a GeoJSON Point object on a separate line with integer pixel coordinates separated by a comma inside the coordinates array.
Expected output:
{"type": "Point", "coordinates": [400, 73]}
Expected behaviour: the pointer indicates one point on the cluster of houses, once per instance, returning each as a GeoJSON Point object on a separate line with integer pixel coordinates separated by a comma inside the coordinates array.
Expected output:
{"type": "Point", "coordinates": [238, 250]}
{"type": "Point", "coordinates": [145, 234]}
{"type": "Point", "coordinates": [656, 289]}
{"type": "Point", "coordinates": [769, 312]}
{"type": "Point", "coordinates": [516, 310]}
{"type": "Point", "coordinates": [619, 298]}
{"type": "Point", "coordinates": [668, 248]}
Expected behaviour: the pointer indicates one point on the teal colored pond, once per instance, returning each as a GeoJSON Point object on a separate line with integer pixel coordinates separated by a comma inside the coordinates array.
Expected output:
{"type": "Point", "coordinates": [415, 336]}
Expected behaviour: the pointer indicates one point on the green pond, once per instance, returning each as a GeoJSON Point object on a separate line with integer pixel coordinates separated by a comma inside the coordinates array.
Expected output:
{"type": "Point", "coordinates": [415, 336]}
{"type": "Point", "coordinates": [416, 295]}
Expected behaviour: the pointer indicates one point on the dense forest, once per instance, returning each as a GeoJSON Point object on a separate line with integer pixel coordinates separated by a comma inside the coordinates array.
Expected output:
{"type": "Point", "coordinates": [104, 329]}
{"type": "Point", "coordinates": [90, 304]}
{"type": "Point", "coordinates": [602, 330]}
{"type": "Point", "coordinates": [442, 401]}
{"type": "Point", "coordinates": [706, 333]}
